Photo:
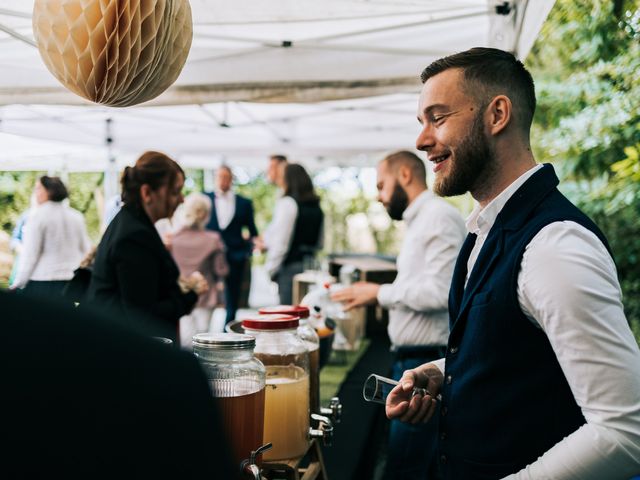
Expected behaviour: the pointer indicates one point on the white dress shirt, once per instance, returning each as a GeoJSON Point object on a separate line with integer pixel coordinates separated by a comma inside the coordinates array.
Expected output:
{"type": "Point", "coordinates": [225, 203]}
{"type": "Point", "coordinates": [55, 241]}
{"type": "Point", "coordinates": [417, 299]}
{"type": "Point", "coordinates": [279, 234]}
{"type": "Point", "coordinates": [568, 286]}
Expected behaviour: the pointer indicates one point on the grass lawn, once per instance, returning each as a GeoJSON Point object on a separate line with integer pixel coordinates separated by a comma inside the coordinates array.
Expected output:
{"type": "Point", "coordinates": [334, 372]}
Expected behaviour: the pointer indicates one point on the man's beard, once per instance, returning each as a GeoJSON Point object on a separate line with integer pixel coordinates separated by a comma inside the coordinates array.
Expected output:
{"type": "Point", "coordinates": [472, 167]}
{"type": "Point", "coordinates": [398, 202]}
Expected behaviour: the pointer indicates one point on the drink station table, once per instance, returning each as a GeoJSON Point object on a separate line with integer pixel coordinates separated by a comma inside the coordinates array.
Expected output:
{"type": "Point", "coordinates": [308, 467]}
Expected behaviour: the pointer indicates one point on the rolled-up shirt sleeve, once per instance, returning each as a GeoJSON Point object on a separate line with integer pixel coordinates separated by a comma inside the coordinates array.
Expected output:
{"type": "Point", "coordinates": [568, 286]}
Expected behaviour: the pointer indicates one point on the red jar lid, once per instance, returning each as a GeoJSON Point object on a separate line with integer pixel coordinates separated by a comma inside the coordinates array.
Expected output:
{"type": "Point", "coordinates": [271, 322]}
{"type": "Point", "coordinates": [295, 310]}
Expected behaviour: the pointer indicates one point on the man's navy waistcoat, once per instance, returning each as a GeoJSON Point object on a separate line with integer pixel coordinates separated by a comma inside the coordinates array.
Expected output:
{"type": "Point", "coordinates": [505, 399]}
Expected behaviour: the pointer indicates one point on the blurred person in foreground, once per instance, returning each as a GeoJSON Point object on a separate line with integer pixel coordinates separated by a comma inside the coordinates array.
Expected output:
{"type": "Point", "coordinates": [198, 250]}
{"type": "Point", "coordinates": [95, 398]}
{"type": "Point", "coordinates": [417, 299]}
{"type": "Point", "coordinates": [55, 240]}
{"type": "Point", "coordinates": [230, 215]}
{"type": "Point", "coordinates": [540, 379]}
{"type": "Point", "coordinates": [133, 272]}
{"type": "Point", "coordinates": [295, 233]}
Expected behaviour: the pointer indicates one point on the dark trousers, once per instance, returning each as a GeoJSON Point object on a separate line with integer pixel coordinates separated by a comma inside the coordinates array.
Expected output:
{"type": "Point", "coordinates": [285, 281]}
{"type": "Point", "coordinates": [233, 286]}
{"type": "Point", "coordinates": [411, 449]}
{"type": "Point", "coordinates": [45, 288]}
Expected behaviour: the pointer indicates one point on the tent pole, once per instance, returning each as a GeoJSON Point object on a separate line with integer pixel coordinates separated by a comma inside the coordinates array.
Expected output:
{"type": "Point", "coordinates": [111, 172]}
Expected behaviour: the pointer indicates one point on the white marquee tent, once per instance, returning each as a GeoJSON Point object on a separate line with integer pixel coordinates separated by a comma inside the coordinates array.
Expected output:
{"type": "Point", "coordinates": [330, 82]}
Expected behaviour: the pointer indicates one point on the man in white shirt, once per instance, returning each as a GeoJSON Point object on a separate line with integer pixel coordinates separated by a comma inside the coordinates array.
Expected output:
{"type": "Point", "coordinates": [541, 376]}
{"type": "Point", "coordinates": [275, 169]}
{"type": "Point", "coordinates": [417, 299]}
{"type": "Point", "coordinates": [230, 215]}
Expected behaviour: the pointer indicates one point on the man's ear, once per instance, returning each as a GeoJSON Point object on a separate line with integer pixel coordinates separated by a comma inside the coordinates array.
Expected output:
{"type": "Point", "coordinates": [499, 114]}
{"type": "Point", "coordinates": [405, 175]}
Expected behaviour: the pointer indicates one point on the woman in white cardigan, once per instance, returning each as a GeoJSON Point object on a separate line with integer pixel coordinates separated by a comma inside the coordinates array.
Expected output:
{"type": "Point", "coordinates": [55, 241]}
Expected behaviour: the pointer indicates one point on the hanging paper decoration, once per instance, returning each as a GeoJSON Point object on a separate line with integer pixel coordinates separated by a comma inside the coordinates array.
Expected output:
{"type": "Point", "coordinates": [114, 52]}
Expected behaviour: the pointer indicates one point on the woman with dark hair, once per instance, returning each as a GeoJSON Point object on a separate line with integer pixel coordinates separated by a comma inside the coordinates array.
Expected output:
{"type": "Point", "coordinates": [295, 234]}
{"type": "Point", "coordinates": [55, 241]}
{"type": "Point", "coordinates": [134, 276]}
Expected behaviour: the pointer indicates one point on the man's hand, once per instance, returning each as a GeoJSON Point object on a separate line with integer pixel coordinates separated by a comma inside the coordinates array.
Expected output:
{"type": "Point", "coordinates": [167, 239]}
{"type": "Point", "coordinates": [258, 244]}
{"type": "Point", "coordinates": [360, 293]}
{"type": "Point", "coordinates": [409, 408]}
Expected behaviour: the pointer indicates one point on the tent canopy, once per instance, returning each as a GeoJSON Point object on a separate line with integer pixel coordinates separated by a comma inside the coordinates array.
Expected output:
{"type": "Point", "coordinates": [333, 81]}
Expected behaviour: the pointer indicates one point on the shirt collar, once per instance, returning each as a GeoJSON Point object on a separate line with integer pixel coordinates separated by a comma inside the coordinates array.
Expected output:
{"type": "Point", "coordinates": [414, 207]}
{"type": "Point", "coordinates": [226, 195]}
{"type": "Point", "coordinates": [481, 219]}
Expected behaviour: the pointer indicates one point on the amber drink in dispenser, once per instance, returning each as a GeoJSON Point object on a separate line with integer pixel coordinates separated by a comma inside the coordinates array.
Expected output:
{"type": "Point", "coordinates": [311, 340]}
{"type": "Point", "coordinates": [237, 381]}
{"type": "Point", "coordinates": [286, 359]}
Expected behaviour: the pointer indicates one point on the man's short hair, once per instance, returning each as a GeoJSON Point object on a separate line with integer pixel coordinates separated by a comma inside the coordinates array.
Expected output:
{"type": "Point", "coordinates": [226, 167]}
{"type": "Point", "coordinates": [278, 158]}
{"type": "Point", "coordinates": [411, 160]}
{"type": "Point", "coordinates": [489, 72]}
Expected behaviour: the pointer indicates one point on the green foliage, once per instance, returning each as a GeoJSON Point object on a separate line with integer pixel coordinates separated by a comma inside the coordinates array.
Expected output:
{"type": "Point", "coordinates": [194, 181]}
{"type": "Point", "coordinates": [82, 188]}
{"type": "Point", "coordinates": [263, 194]}
{"type": "Point", "coordinates": [16, 189]}
{"type": "Point", "coordinates": [15, 193]}
{"type": "Point", "coordinates": [586, 63]}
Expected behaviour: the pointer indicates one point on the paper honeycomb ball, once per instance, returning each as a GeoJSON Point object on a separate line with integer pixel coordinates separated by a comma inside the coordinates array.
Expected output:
{"type": "Point", "coordinates": [114, 52]}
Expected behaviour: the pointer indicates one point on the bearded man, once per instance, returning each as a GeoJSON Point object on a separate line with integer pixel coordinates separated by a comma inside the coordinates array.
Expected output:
{"type": "Point", "coordinates": [417, 299]}
{"type": "Point", "coordinates": [540, 378]}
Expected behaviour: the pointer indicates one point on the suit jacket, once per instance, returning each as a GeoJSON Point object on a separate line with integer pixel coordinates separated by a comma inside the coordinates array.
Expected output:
{"type": "Point", "coordinates": [135, 276]}
{"type": "Point", "coordinates": [237, 247]}
{"type": "Point", "coordinates": [94, 398]}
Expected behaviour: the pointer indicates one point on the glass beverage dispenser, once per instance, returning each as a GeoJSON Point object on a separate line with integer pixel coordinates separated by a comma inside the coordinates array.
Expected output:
{"type": "Point", "coordinates": [286, 359]}
{"type": "Point", "coordinates": [237, 380]}
{"type": "Point", "coordinates": [311, 339]}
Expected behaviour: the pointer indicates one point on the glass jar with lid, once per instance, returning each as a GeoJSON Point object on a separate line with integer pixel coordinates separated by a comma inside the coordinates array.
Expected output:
{"type": "Point", "coordinates": [237, 381]}
{"type": "Point", "coordinates": [311, 339]}
{"type": "Point", "coordinates": [286, 359]}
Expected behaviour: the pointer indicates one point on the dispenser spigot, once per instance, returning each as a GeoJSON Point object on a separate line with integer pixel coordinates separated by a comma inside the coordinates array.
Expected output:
{"type": "Point", "coordinates": [249, 466]}
{"type": "Point", "coordinates": [333, 411]}
{"type": "Point", "coordinates": [324, 430]}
